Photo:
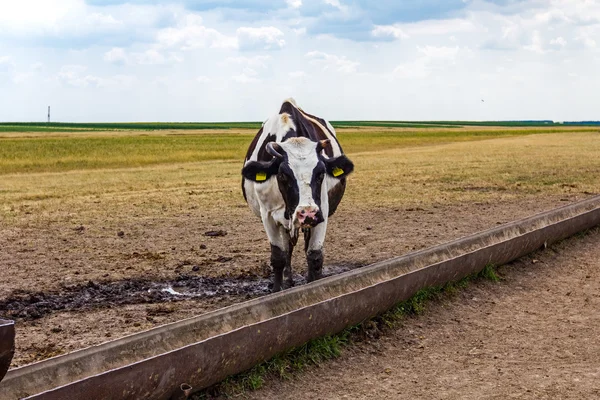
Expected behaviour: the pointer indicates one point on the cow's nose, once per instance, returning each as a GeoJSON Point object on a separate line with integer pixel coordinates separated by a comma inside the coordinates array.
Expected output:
{"type": "Point", "coordinates": [307, 215]}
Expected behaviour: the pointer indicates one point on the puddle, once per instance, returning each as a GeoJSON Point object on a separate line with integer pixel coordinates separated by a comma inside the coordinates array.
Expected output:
{"type": "Point", "coordinates": [94, 295]}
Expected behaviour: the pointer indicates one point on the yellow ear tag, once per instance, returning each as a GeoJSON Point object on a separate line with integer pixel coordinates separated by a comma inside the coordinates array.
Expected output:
{"type": "Point", "coordinates": [261, 176]}
{"type": "Point", "coordinates": [337, 171]}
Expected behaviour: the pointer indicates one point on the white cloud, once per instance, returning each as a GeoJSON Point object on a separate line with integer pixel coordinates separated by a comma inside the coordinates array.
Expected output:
{"type": "Point", "coordinates": [414, 69]}
{"type": "Point", "coordinates": [439, 52]}
{"type": "Point", "coordinates": [46, 20]}
{"type": "Point", "coordinates": [73, 75]}
{"type": "Point", "coordinates": [247, 76]}
{"type": "Point", "coordinates": [103, 20]}
{"type": "Point", "coordinates": [297, 74]}
{"type": "Point", "coordinates": [299, 31]}
{"type": "Point", "coordinates": [559, 24]}
{"type": "Point", "coordinates": [256, 61]}
{"type": "Point", "coordinates": [116, 55]}
{"type": "Point", "coordinates": [262, 38]}
{"type": "Point", "coordinates": [250, 64]}
{"type": "Point", "coordinates": [574, 12]}
{"type": "Point", "coordinates": [337, 4]}
{"type": "Point", "coordinates": [551, 16]}
{"type": "Point", "coordinates": [587, 41]}
{"type": "Point", "coordinates": [440, 27]}
{"type": "Point", "coordinates": [190, 33]}
{"type": "Point", "coordinates": [586, 37]}
{"type": "Point", "coordinates": [558, 42]}
{"type": "Point", "coordinates": [30, 16]}
{"type": "Point", "coordinates": [76, 76]}
{"type": "Point", "coordinates": [7, 67]}
{"type": "Point", "coordinates": [388, 31]}
{"type": "Point", "coordinates": [38, 66]}
{"type": "Point", "coordinates": [29, 74]}
{"type": "Point", "coordinates": [294, 3]}
{"type": "Point", "coordinates": [432, 60]}
{"type": "Point", "coordinates": [151, 56]}
{"type": "Point", "coordinates": [424, 28]}
{"type": "Point", "coordinates": [330, 61]}
{"type": "Point", "coordinates": [6, 61]}
{"type": "Point", "coordinates": [203, 79]}
{"type": "Point", "coordinates": [19, 75]}
{"type": "Point", "coordinates": [536, 43]}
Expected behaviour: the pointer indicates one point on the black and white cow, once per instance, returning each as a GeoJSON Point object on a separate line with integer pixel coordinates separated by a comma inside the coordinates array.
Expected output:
{"type": "Point", "coordinates": [294, 178]}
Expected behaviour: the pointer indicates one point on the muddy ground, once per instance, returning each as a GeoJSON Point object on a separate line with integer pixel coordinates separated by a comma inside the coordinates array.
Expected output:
{"type": "Point", "coordinates": [533, 335]}
{"type": "Point", "coordinates": [75, 282]}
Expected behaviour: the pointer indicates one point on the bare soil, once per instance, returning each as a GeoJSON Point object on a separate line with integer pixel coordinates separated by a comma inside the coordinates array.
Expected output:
{"type": "Point", "coordinates": [533, 335]}
{"type": "Point", "coordinates": [71, 282]}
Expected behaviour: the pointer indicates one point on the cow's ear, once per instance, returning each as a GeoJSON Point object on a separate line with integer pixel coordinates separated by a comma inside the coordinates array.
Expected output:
{"type": "Point", "coordinates": [339, 167]}
{"type": "Point", "coordinates": [260, 171]}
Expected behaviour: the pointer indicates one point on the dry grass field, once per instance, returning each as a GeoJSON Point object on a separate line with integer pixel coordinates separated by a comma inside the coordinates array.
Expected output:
{"type": "Point", "coordinates": [102, 207]}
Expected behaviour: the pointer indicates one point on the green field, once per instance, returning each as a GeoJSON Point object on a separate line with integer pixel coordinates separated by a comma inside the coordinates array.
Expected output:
{"type": "Point", "coordinates": [454, 124]}
{"type": "Point", "coordinates": [150, 126]}
{"type": "Point", "coordinates": [75, 150]}
{"type": "Point", "coordinates": [100, 126]}
{"type": "Point", "coordinates": [393, 166]}
{"type": "Point", "coordinates": [71, 153]}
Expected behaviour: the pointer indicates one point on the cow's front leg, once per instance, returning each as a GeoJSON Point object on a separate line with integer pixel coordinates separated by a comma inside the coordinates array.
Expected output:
{"type": "Point", "coordinates": [314, 258]}
{"type": "Point", "coordinates": [286, 276]}
{"type": "Point", "coordinates": [281, 254]}
{"type": "Point", "coordinates": [278, 262]}
{"type": "Point", "coordinates": [281, 262]}
{"type": "Point", "coordinates": [314, 252]}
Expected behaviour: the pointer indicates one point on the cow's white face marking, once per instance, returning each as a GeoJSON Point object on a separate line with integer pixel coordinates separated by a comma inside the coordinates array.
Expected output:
{"type": "Point", "coordinates": [302, 159]}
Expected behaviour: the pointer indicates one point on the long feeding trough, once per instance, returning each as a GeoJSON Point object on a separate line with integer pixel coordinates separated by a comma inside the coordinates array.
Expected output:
{"type": "Point", "coordinates": [175, 359]}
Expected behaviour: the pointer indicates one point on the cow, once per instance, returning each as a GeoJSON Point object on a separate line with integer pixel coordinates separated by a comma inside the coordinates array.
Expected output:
{"type": "Point", "coordinates": [294, 177]}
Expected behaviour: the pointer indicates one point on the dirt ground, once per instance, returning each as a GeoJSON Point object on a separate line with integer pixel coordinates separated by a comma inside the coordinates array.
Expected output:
{"type": "Point", "coordinates": [74, 282]}
{"type": "Point", "coordinates": [533, 335]}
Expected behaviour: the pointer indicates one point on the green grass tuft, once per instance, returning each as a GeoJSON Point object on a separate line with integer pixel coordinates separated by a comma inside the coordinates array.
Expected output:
{"type": "Point", "coordinates": [489, 273]}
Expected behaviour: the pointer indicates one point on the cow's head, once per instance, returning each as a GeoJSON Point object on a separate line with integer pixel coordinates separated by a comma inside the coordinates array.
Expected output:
{"type": "Point", "coordinates": [300, 169]}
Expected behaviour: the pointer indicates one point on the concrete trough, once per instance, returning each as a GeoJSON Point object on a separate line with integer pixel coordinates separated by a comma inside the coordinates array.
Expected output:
{"type": "Point", "coordinates": [195, 353]}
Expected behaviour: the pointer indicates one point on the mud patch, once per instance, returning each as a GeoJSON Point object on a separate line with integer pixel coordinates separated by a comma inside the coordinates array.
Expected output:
{"type": "Point", "coordinates": [27, 305]}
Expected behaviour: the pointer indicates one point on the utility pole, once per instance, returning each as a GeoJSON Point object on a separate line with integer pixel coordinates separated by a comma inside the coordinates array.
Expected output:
{"type": "Point", "coordinates": [48, 114]}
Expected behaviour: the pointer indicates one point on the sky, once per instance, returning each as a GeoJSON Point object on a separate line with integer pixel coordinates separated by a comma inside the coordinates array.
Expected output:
{"type": "Point", "coordinates": [237, 60]}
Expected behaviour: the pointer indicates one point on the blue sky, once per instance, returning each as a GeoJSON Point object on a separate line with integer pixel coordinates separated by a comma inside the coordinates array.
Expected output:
{"type": "Point", "coordinates": [235, 60]}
